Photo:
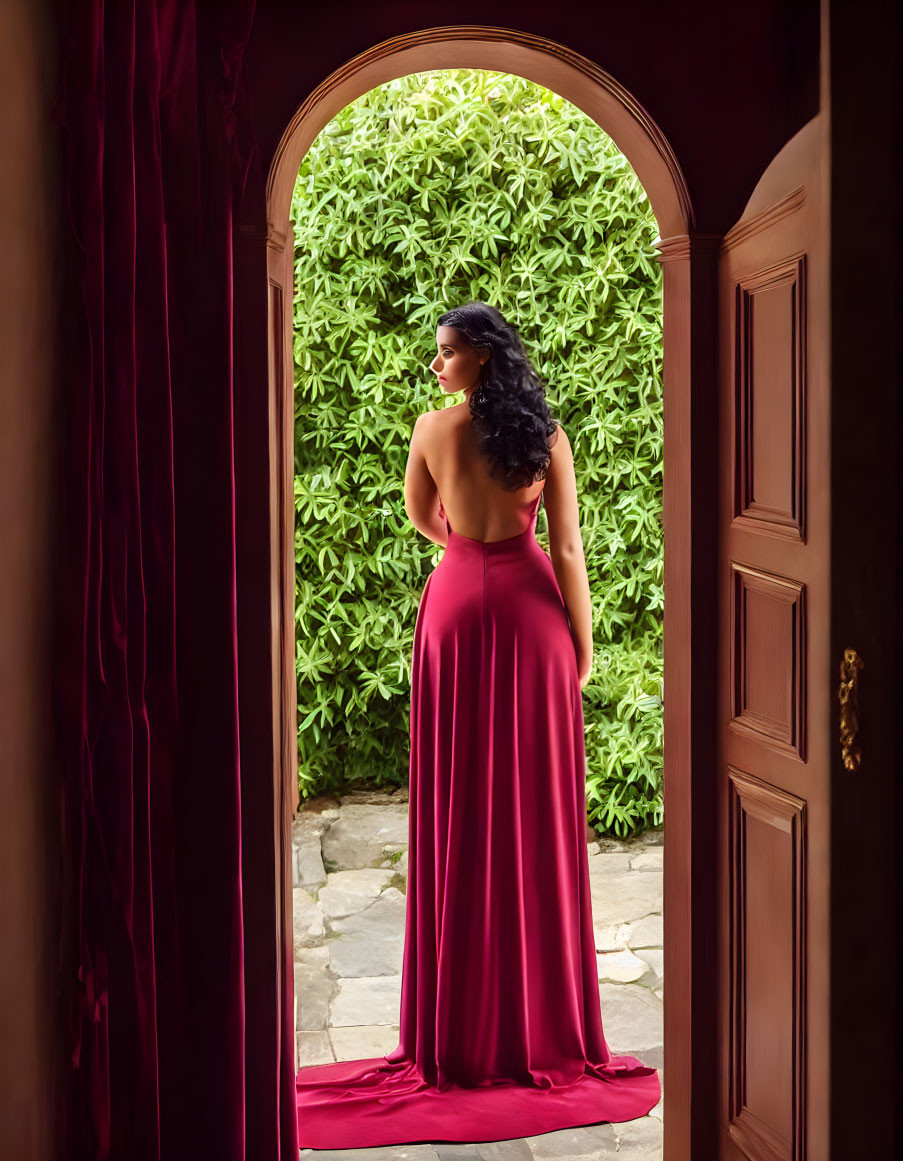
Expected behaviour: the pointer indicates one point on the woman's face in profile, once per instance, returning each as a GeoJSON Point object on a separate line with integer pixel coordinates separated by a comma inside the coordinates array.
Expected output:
{"type": "Point", "coordinates": [457, 364]}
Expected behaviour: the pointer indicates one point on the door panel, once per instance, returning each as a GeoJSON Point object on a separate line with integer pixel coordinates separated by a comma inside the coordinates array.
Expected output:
{"type": "Point", "coordinates": [774, 687]}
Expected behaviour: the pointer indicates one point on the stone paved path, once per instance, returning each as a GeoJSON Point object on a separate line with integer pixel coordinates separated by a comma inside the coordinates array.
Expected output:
{"type": "Point", "coordinates": [349, 879]}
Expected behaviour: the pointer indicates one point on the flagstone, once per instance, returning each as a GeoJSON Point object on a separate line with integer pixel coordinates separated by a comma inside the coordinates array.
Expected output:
{"type": "Point", "coordinates": [640, 1140]}
{"type": "Point", "coordinates": [655, 958]}
{"type": "Point", "coordinates": [366, 1000]}
{"type": "Point", "coordinates": [357, 837]}
{"type": "Point", "coordinates": [632, 1021]}
{"type": "Point", "coordinates": [314, 1048]}
{"type": "Point", "coordinates": [620, 966]}
{"type": "Point", "coordinates": [612, 938]}
{"type": "Point", "coordinates": [609, 863]}
{"type": "Point", "coordinates": [313, 988]}
{"type": "Point", "coordinates": [307, 863]}
{"type": "Point", "coordinates": [624, 897]}
{"type": "Point", "coordinates": [363, 1042]}
{"type": "Point", "coordinates": [370, 942]}
{"type": "Point", "coordinates": [516, 1149]}
{"type": "Point", "coordinates": [651, 859]}
{"type": "Point", "coordinates": [646, 932]}
{"type": "Point", "coordinates": [347, 892]}
{"type": "Point", "coordinates": [307, 920]}
{"type": "Point", "coordinates": [585, 1143]}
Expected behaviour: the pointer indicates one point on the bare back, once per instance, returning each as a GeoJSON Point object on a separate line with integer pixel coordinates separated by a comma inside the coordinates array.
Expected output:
{"type": "Point", "coordinates": [476, 505]}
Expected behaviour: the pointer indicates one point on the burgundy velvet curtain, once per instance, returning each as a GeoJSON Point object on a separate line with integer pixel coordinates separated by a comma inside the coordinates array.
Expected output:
{"type": "Point", "coordinates": [162, 1055]}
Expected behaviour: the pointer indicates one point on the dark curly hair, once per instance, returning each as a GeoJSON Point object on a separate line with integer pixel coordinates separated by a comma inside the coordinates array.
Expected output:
{"type": "Point", "coordinates": [508, 406]}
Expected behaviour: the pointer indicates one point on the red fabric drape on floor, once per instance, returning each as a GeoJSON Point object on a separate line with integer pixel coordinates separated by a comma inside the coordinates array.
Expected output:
{"type": "Point", "coordinates": [161, 1056]}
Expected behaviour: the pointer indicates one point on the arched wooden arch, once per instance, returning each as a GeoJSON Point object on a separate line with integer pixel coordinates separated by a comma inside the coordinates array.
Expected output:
{"type": "Point", "coordinates": [690, 501]}
{"type": "Point", "coordinates": [555, 67]}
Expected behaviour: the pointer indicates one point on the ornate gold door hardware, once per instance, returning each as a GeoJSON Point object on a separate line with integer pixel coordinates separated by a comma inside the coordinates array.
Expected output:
{"type": "Point", "coordinates": [849, 708]}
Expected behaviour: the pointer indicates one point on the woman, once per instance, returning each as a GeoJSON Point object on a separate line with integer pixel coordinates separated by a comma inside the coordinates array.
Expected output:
{"type": "Point", "coordinates": [500, 1031]}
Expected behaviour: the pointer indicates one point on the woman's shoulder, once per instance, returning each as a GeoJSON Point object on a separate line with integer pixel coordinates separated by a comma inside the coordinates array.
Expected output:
{"type": "Point", "coordinates": [438, 414]}
{"type": "Point", "coordinates": [445, 418]}
{"type": "Point", "coordinates": [427, 420]}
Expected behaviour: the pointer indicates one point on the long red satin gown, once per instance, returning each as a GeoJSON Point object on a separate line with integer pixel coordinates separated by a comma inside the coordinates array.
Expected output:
{"type": "Point", "coordinates": [500, 1030]}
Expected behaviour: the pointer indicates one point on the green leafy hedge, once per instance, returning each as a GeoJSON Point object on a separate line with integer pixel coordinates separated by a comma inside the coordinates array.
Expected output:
{"type": "Point", "coordinates": [426, 192]}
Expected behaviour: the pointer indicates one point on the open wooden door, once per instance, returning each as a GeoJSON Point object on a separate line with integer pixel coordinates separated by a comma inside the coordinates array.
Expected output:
{"type": "Point", "coordinates": [777, 679]}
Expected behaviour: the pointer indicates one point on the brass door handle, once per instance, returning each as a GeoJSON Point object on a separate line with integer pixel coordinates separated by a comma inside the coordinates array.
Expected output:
{"type": "Point", "coordinates": [847, 694]}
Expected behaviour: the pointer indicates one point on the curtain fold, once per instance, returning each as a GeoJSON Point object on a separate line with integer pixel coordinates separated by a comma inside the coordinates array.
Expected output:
{"type": "Point", "coordinates": [155, 155]}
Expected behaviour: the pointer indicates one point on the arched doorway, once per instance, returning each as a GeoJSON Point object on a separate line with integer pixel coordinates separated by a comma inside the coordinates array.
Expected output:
{"type": "Point", "coordinates": [689, 268]}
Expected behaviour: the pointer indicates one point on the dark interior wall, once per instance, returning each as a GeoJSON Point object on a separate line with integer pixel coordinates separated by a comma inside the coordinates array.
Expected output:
{"type": "Point", "coordinates": [28, 826]}
{"type": "Point", "coordinates": [727, 83]}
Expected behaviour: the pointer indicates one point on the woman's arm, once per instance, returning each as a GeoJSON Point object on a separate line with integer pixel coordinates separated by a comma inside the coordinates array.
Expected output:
{"type": "Point", "coordinates": [421, 497]}
{"type": "Point", "coordinates": [566, 550]}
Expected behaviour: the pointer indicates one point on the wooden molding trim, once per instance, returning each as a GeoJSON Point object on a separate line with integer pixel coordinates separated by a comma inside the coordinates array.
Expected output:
{"type": "Point", "coordinates": [548, 63]}
{"type": "Point", "coordinates": [782, 208]}
{"type": "Point", "coordinates": [686, 246]}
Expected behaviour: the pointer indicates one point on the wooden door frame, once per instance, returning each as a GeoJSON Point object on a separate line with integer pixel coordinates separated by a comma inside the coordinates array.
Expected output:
{"type": "Point", "coordinates": [690, 911]}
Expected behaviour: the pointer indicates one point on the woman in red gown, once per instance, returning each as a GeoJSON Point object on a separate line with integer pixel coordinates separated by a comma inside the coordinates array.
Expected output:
{"type": "Point", "coordinates": [500, 1026]}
